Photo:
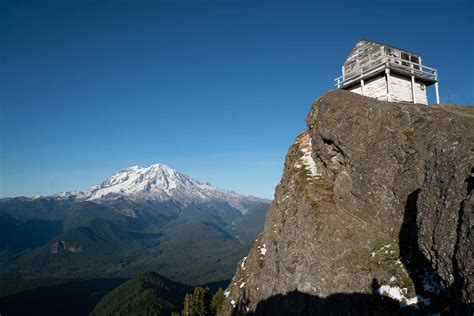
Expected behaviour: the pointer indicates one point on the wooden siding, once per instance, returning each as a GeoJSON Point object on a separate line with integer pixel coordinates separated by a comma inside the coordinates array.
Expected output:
{"type": "Point", "coordinates": [363, 56]}
{"type": "Point", "coordinates": [400, 89]}
{"type": "Point", "coordinates": [356, 88]}
{"type": "Point", "coordinates": [420, 93]}
{"type": "Point", "coordinates": [366, 54]}
{"type": "Point", "coordinates": [376, 88]}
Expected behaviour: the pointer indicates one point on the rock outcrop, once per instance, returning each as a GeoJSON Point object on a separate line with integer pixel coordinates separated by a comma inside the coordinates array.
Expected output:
{"type": "Point", "coordinates": [373, 215]}
{"type": "Point", "coordinates": [59, 246]}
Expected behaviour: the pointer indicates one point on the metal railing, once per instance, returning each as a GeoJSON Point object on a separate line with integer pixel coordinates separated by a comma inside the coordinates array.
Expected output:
{"type": "Point", "coordinates": [393, 63]}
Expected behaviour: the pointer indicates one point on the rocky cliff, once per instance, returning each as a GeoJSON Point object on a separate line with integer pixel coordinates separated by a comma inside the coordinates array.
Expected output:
{"type": "Point", "coordinates": [373, 215]}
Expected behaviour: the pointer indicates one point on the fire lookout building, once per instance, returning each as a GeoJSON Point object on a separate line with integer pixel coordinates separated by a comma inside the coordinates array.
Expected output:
{"type": "Point", "coordinates": [387, 73]}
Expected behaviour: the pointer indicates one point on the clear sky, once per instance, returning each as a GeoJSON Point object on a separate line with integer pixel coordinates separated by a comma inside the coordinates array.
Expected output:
{"type": "Point", "coordinates": [217, 90]}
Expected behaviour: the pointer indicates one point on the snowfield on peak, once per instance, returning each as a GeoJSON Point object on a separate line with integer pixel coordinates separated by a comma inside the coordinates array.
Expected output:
{"type": "Point", "coordinates": [158, 182]}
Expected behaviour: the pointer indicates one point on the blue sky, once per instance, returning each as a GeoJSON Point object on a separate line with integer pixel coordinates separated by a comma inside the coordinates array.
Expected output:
{"type": "Point", "coordinates": [218, 90]}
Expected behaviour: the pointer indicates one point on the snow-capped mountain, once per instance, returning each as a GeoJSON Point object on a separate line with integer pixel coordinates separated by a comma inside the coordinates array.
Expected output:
{"type": "Point", "coordinates": [158, 182]}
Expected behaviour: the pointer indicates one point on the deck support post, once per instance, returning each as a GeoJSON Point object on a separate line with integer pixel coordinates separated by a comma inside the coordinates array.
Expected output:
{"type": "Point", "coordinates": [437, 92]}
{"type": "Point", "coordinates": [362, 86]}
{"type": "Point", "coordinates": [387, 81]}
{"type": "Point", "coordinates": [413, 88]}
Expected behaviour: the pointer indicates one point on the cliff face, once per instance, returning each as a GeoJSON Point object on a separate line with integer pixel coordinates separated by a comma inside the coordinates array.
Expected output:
{"type": "Point", "coordinates": [373, 214]}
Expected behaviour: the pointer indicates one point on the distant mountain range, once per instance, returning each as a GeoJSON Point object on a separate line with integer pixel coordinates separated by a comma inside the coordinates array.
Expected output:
{"type": "Point", "coordinates": [139, 219]}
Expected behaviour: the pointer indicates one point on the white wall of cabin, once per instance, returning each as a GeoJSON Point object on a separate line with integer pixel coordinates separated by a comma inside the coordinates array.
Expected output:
{"type": "Point", "coordinates": [376, 88]}
{"type": "Point", "coordinates": [400, 89]}
{"type": "Point", "coordinates": [421, 94]}
{"type": "Point", "coordinates": [356, 88]}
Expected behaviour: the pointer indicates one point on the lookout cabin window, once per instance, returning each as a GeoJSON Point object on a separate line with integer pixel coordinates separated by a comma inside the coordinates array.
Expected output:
{"type": "Point", "coordinates": [412, 60]}
{"type": "Point", "coordinates": [405, 56]}
{"type": "Point", "coordinates": [416, 61]}
{"type": "Point", "coordinates": [393, 53]}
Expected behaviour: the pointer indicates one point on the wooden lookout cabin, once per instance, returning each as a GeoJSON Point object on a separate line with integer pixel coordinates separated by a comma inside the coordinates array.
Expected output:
{"type": "Point", "coordinates": [387, 73]}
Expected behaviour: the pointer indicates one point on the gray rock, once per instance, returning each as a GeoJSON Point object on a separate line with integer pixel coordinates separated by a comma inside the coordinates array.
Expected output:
{"type": "Point", "coordinates": [373, 215]}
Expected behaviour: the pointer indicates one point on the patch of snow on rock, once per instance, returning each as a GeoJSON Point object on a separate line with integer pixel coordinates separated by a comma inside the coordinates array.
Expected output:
{"type": "Point", "coordinates": [393, 292]}
{"type": "Point", "coordinates": [307, 160]}
{"type": "Point", "coordinates": [242, 264]}
{"type": "Point", "coordinates": [399, 294]}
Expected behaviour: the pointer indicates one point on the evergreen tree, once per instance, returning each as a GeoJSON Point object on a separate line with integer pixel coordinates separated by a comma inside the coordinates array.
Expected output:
{"type": "Point", "coordinates": [198, 303]}
{"type": "Point", "coordinates": [217, 301]}
{"type": "Point", "coordinates": [187, 305]}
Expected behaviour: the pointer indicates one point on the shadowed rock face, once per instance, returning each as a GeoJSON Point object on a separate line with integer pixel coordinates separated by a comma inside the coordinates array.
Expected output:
{"type": "Point", "coordinates": [373, 215]}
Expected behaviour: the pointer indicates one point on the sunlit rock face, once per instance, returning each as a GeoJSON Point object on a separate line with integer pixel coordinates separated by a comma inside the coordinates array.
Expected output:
{"type": "Point", "coordinates": [373, 214]}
